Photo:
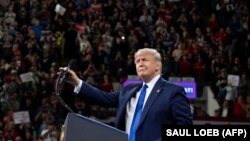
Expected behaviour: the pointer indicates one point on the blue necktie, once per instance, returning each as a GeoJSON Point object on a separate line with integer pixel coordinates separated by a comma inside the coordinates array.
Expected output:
{"type": "Point", "coordinates": [137, 114]}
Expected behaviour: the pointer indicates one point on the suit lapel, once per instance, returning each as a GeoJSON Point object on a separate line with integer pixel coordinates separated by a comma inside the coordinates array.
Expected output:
{"type": "Point", "coordinates": [127, 97]}
{"type": "Point", "coordinates": [130, 94]}
{"type": "Point", "coordinates": [151, 99]}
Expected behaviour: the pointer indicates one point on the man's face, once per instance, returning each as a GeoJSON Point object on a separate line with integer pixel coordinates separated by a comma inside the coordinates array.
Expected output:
{"type": "Point", "coordinates": [146, 66]}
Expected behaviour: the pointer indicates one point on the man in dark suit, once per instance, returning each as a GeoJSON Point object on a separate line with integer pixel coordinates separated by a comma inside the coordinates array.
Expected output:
{"type": "Point", "coordinates": [163, 102]}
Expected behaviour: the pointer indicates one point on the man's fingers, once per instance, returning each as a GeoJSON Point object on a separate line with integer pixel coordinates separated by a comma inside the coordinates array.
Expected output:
{"type": "Point", "coordinates": [62, 70]}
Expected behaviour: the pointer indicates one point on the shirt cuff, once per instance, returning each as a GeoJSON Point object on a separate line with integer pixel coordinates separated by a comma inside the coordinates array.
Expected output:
{"type": "Point", "coordinates": [78, 87]}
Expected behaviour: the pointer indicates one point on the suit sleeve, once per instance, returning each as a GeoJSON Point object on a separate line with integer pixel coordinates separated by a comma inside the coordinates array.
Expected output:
{"type": "Point", "coordinates": [99, 97]}
{"type": "Point", "coordinates": [180, 108]}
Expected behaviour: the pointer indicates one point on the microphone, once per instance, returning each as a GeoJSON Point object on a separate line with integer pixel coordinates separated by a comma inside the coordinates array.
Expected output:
{"type": "Point", "coordinates": [61, 77]}
{"type": "Point", "coordinates": [71, 65]}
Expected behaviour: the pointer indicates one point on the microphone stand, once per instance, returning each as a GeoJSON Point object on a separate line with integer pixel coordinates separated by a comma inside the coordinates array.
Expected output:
{"type": "Point", "coordinates": [57, 89]}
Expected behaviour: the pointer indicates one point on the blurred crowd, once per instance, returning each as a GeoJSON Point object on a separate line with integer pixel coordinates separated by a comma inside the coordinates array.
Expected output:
{"type": "Point", "coordinates": [207, 40]}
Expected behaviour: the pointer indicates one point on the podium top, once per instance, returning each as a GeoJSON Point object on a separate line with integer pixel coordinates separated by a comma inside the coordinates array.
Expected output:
{"type": "Point", "coordinates": [81, 128]}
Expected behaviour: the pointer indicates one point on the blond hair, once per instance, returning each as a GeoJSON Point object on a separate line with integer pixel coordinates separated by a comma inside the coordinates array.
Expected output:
{"type": "Point", "coordinates": [153, 52]}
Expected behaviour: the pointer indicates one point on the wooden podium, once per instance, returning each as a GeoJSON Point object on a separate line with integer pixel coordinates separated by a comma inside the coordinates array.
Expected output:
{"type": "Point", "coordinates": [79, 128]}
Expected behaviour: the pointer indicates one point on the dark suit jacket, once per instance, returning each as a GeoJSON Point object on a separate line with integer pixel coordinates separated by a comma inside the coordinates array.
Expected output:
{"type": "Point", "coordinates": [167, 104]}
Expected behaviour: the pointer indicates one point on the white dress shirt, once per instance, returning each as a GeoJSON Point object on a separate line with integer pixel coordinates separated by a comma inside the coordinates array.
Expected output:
{"type": "Point", "coordinates": [131, 105]}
